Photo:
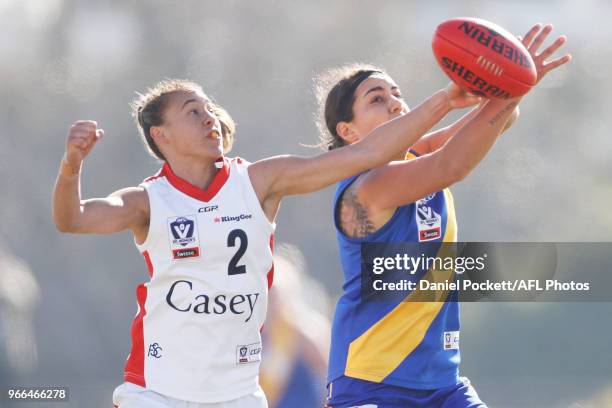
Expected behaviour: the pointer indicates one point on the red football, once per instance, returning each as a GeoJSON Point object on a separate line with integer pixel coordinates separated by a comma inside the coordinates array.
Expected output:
{"type": "Point", "coordinates": [483, 58]}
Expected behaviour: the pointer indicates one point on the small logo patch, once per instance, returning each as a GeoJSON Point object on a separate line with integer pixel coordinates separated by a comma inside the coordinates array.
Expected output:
{"type": "Point", "coordinates": [184, 242]}
{"type": "Point", "coordinates": [155, 350]}
{"type": "Point", "coordinates": [451, 340]}
{"type": "Point", "coordinates": [429, 222]}
{"type": "Point", "coordinates": [426, 235]}
{"type": "Point", "coordinates": [248, 353]}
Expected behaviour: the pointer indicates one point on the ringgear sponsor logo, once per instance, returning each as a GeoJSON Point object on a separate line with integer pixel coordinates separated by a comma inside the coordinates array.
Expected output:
{"type": "Point", "coordinates": [236, 218]}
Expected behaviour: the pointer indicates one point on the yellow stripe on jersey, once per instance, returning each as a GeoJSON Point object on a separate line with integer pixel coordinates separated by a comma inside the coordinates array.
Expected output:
{"type": "Point", "coordinates": [382, 348]}
{"type": "Point", "coordinates": [410, 155]}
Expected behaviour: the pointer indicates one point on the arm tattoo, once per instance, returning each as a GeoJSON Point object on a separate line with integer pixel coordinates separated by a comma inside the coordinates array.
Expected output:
{"type": "Point", "coordinates": [501, 113]}
{"type": "Point", "coordinates": [354, 220]}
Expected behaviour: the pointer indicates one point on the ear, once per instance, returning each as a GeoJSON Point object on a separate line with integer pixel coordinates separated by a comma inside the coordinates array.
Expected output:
{"type": "Point", "coordinates": [346, 132]}
{"type": "Point", "coordinates": [159, 135]}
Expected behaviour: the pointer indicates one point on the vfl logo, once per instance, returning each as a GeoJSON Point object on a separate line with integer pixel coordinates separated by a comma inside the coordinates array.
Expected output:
{"type": "Point", "coordinates": [182, 231]}
{"type": "Point", "coordinates": [184, 237]}
{"type": "Point", "coordinates": [154, 350]}
{"type": "Point", "coordinates": [426, 214]}
{"type": "Point", "coordinates": [429, 222]}
{"type": "Point", "coordinates": [243, 351]}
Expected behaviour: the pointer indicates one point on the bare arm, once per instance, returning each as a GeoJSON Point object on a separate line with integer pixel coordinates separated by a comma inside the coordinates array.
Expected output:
{"type": "Point", "coordinates": [461, 153]}
{"type": "Point", "coordinates": [435, 140]}
{"type": "Point", "coordinates": [435, 171]}
{"type": "Point", "coordinates": [287, 175]}
{"type": "Point", "coordinates": [124, 209]}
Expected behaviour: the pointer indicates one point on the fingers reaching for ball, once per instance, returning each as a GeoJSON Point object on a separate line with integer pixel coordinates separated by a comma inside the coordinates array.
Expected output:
{"type": "Point", "coordinates": [534, 39]}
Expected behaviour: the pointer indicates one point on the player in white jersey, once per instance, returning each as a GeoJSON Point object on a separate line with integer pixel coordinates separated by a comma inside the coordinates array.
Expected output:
{"type": "Point", "coordinates": [204, 225]}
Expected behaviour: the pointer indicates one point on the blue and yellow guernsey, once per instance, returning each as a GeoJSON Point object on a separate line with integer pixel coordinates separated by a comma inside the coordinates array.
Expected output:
{"type": "Point", "coordinates": [403, 343]}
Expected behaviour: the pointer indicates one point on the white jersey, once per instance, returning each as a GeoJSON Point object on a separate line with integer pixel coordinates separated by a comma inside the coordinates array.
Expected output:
{"type": "Point", "coordinates": [196, 335]}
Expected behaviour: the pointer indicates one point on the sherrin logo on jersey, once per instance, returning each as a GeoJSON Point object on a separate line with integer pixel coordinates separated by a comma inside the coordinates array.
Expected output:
{"type": "Point", "coordinates": [429, 222]}
{"type": "Point", "coordinates": [184, 241]}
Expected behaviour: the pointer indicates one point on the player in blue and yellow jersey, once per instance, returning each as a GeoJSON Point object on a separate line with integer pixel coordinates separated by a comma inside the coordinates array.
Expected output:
{"type": "Point", "coordinates": [401, 353]}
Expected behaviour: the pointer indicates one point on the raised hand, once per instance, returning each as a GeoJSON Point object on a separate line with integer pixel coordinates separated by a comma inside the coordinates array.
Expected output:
{"type": "Point", "coordinates": [458, 98]}
{"type": "Point", "coordinates": [82, 137]}
{"type": "Point", "coordinates": [534, 39]}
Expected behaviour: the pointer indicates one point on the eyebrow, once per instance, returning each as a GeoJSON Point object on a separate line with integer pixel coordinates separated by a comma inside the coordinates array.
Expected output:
{"type": "Point", "coordinates": [379, 88]}
{"type": "Point", "coordinates": [188, 101]}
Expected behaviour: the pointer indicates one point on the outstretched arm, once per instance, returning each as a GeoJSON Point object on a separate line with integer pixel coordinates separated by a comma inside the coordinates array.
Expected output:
{"type": "Point", "coordinates": [461, 153]}
{"type": "Point", "coordinates": [435, 140]}
{"type": "Point", "coordinates": [124, 209]}
{"type": "Point", "coordinates": [287, 175]}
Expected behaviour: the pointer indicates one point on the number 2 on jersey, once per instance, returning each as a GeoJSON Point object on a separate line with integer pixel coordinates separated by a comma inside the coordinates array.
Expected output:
{"type": "Point", "coordinates": [233, 268]}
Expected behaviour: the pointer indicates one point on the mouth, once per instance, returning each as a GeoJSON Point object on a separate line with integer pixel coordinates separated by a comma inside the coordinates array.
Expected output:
{"type": "Point", "coordinates": [214, 134]}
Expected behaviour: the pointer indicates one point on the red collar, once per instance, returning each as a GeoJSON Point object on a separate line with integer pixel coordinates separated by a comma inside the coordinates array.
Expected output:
{"type": "Point", "coordinates": [194, 191]}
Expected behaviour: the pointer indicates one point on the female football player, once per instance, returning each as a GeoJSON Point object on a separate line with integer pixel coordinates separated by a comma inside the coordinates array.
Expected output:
{"type": "Point", "coordinates": [405, 352]}
{"type": "Point", "coordinates": [204, 225]}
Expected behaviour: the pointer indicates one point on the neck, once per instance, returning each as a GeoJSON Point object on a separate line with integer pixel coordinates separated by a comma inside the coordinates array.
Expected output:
{"type": "Point", "coordinates": [200, 173]}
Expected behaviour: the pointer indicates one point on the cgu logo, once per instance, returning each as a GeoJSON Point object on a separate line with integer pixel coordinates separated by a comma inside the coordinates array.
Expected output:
{"type": "Point", "coordinates": [210, 208]}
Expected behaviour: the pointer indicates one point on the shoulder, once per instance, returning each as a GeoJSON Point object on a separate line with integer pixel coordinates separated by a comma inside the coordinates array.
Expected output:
{"type": "Point", "coordinates": [133, 198]}
{"type": "Point", "coordinates": [239, 161]}
{"type": "Point", "coordinates": [133, 193]}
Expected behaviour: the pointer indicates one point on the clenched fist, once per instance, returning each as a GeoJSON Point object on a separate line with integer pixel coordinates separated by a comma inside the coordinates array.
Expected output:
{"type": "Point", "coordinates": [82, 137]}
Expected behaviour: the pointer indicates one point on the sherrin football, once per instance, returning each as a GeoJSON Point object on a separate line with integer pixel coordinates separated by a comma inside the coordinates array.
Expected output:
{"type": "Point", "coordinates": [483, 58]}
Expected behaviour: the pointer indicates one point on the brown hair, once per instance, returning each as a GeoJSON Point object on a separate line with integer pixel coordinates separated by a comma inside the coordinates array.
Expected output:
{"type": "Point", "coordinates": [148, 110]}
{"type": "Point", "coordinates": [335, 90]}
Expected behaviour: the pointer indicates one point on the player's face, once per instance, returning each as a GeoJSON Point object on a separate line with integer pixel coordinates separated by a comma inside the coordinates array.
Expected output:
{"type": "Point", "coordinates": [192, 127]}
{"type": "Point", "coordinates": [377, 100]}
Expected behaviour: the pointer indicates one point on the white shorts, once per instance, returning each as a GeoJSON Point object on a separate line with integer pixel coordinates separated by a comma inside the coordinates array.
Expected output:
{"type": "Point", "coordinates": [129, 395]}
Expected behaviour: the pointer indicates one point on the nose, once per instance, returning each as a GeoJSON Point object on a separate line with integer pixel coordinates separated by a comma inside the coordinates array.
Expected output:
{"type": "Point", "coordinates": [395, 106]}
{"type": "Point", "coordinates": [209, 119]}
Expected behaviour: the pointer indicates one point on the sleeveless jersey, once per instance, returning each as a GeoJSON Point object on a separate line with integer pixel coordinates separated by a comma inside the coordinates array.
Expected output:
{"type": "Point", "coordinates": [196, 335]}
{"type": "Point", "coordinates": [400, 343]}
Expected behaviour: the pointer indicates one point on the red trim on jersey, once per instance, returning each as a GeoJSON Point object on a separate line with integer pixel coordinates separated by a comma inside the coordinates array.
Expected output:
{"type": "Point", "coordinates": [147, 258]}
{"type": "Point", "coordinates": [194, 191]}
{"type": "Point", "coordinates": [134, 366]}
{"type": "Point", "coordinates": [271, 271]}
{"type": "Point", "coordinates": [157, 175]}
